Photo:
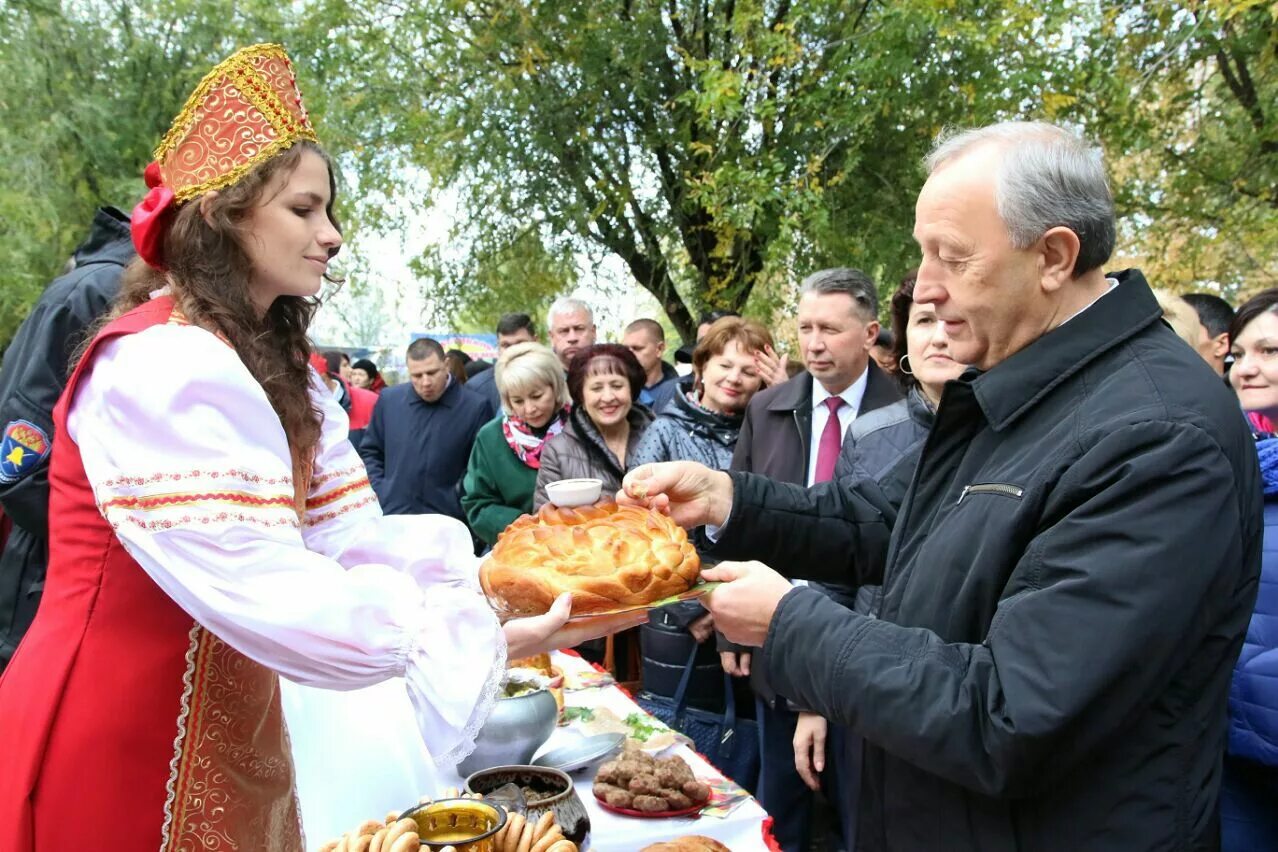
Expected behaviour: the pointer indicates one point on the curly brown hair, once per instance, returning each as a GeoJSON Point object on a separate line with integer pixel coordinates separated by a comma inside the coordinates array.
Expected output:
{"type": "Point", "coordinates": [209, 275]}
{"type": "Point", "coordinates": [902, 301]}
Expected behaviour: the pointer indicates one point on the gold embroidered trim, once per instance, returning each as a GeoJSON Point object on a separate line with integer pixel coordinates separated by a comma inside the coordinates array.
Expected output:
{"type": "Point", "coordinates": [290, 520]}
{"type": "Point", "coordinates": [183, 712]}
{"type": "Point", "coordinates": [329, 476]}
{"type": "Point", "coordinates": [230, 473]}
{"type": "Point", "coordinates": [336, 494]}
{"type": "Point", "coordinates": [236, 172]}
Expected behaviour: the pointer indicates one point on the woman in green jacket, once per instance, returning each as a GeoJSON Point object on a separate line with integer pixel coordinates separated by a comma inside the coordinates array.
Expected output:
{"type": "Point", "coordinates": [504, 461]}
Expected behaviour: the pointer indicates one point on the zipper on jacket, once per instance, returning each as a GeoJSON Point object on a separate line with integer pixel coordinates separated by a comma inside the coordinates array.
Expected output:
{"type": "Point", "coordinates": [999, 488]}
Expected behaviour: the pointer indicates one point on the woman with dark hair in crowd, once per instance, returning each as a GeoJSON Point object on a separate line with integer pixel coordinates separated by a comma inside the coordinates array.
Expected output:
{"type": "Point", "coordinates": [604, 427]}
{"type": "Point", "coordinates": [364, 375]}
{"type": "Point", "coordinates": [702, 420]}
{"type": "Point", "coordinates": [1249, 788]}
{"type": "Point", "coordinates": [456, 360]}
{"type": "Point", "coordinates": [882, 445]}
{"type": "Point", "coordinates": [606, 422]}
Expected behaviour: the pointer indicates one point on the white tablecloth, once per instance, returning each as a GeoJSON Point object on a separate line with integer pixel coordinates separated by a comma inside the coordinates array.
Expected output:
{"type": "Point", "coordinates": [741, 830]}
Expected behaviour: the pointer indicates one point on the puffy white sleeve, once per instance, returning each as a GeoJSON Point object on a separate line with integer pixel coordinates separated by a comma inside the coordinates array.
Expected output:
{"type": "Point", "coordinates": [190, 465]}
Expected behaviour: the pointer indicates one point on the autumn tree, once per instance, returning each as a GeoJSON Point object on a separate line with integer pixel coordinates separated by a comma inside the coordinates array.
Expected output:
{"type": "Point", "coordinates": [711, 145]}
{"type": "Point", "coordinates": [1185, 96]}
{"type": "Point", "coordinates": [88, 90]}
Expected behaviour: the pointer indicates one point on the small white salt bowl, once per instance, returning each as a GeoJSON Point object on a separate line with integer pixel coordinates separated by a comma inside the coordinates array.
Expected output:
{"type": "Point", "coordinates": [574, 492]}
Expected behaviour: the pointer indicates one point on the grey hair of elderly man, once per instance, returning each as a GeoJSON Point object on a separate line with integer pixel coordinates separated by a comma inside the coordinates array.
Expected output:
{"type": "Point", "coordinates": [1047, 177]}
{"type": "Point", "coordinates": [568, 305]}
{"type": "Point", "coordinates": [570, 325]}
{"type": "Point", "coordinates": [1015, 222]}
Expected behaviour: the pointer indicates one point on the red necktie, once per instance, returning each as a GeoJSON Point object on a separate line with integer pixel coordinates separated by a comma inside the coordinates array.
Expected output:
{"type": "Point", "coordinates": [831, 441]}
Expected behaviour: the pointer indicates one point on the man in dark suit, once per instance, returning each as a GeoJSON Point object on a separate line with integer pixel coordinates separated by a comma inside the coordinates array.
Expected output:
{"type": "Point", "coordinates": [793, 433]}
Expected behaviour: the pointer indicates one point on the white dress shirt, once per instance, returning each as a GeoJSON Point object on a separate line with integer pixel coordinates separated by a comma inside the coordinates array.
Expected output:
{"type": "Point", "coordinates": [852, 396]}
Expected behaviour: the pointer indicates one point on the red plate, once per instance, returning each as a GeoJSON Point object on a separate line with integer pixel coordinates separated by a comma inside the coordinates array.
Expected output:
{"type": "Point", "coordinates": [649, 814]}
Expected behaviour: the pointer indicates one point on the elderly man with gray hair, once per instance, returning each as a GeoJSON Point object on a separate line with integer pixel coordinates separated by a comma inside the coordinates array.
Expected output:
{"type": "Point", "coordinates": [1068, 580]}
{"type": "Point", "coordinates": [571, 326]}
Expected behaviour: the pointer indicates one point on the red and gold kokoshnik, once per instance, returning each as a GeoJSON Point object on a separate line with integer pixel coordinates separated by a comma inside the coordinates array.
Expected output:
{"type": "Point", "coordinates": [244, 111]}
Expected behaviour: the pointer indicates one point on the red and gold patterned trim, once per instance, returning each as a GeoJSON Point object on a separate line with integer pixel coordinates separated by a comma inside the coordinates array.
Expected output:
{"type": "Point", "coordinates": [189, 498]}
{"type": "Point", "coordinates": [243, 113]}
{"type": "Point", "coordinates": [323, 517]}
{"type": "Point", "coordinates": [343, 473]}
{"type": "Point", "coordinates": [336, 494]}
{"type": "Point", "coordinates": [178, 476]}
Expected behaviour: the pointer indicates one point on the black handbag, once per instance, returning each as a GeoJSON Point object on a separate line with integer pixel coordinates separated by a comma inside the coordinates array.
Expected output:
{"type": "Point", "coordinates": [731, 744]}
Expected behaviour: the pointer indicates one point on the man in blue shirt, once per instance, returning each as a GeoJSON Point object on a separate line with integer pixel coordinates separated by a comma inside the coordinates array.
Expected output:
{"type": "Point", "coordinates": [418, 442]}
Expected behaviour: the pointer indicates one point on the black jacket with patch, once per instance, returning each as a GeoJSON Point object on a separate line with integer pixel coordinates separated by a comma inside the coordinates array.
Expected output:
{"type": "Point", "coordinates": [31, 380]}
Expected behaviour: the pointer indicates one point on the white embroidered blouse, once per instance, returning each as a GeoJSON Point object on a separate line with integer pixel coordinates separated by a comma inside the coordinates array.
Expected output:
{"type": "Point", "coordinates": [190, 465]}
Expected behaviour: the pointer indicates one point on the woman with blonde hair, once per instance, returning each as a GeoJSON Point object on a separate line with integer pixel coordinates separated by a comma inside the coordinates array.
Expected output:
{"type": "Point", "coordinates": [502, 475]}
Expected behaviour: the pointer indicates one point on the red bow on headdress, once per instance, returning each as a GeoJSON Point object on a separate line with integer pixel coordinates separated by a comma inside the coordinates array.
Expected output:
{"type": "Point", "coordinates": [150, 221]}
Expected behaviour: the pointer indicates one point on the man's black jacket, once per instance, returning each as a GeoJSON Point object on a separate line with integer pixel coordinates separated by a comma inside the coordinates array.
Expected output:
{"type": "Point", "coordinates": [416, 451]}
{"type": "Point", "coordinates": [1066, 589]}
{"type": "Point", "coordinates": [31, 380]}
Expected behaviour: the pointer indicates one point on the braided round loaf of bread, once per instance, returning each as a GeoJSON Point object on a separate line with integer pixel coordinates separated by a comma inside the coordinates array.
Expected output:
{"type": "Point", "coordinates": [607, 556]}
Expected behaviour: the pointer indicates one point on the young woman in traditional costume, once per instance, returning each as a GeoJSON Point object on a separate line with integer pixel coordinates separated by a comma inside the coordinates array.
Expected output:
{"type": "Point", "coordinates": [211, 526]}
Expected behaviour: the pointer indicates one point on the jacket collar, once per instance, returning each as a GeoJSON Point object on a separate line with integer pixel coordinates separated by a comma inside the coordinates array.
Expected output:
{"type": "Point", "coordinates": [668, 372]}
{"type": "Point", "coordinates": [723, 428]}
{"type": "Point", "coordinates": [792, 395]}
{"type": "Point", "coordinates": [1012, 388]}
{"type": "Point", "coordinates": [581, 427]}
{"type": "Point", "coordinates": [447, 400]}
{"type": "Point", "coordinates": [880, 389]}
{"type": "Point", "coordinates": [109, 240]}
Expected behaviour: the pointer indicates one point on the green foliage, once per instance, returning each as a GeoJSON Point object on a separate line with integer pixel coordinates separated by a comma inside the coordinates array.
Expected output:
{"type": "Point", "coordinates": [89, 89]}
{"type": "Point", "coordinates": [711, 146]}
{"type": "Point", "coordinates": [1187, 110]}
{"type": "Point", "coordinates": [720, 149]}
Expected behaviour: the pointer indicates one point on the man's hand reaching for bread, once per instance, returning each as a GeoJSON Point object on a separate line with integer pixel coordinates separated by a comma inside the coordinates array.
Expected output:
{"type": "Point", "coordinates": [540, 633]}
{"type": "Point", "coordinates": [692, 494]}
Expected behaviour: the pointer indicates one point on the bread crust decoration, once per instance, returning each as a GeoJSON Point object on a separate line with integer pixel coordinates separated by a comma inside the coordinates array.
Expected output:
{"type": "Point", "coordinates": [608, 556]}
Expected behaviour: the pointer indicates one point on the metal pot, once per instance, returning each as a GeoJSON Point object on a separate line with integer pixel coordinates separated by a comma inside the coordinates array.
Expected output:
{"type": "Point", "coordinates": [514, 731]}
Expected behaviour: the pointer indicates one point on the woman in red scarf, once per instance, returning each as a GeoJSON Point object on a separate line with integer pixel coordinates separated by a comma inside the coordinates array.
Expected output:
{"type": "Point", "coordinates": [504, 461]}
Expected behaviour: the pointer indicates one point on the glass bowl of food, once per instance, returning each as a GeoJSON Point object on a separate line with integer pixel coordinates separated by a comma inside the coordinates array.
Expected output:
{"type": "Point", "coordinates": [468, 825]}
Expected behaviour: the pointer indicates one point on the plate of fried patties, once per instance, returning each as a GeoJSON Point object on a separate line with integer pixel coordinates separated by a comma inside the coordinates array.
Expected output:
{"type": "Point", "coordinates": [640, 785]}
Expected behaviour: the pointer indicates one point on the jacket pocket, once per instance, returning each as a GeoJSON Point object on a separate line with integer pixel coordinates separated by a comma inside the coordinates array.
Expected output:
{"type": "Point", "coordinates": [1002, 489]}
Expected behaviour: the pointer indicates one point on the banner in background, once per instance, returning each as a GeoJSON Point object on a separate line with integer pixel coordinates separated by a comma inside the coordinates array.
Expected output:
{"type": "Point", "coordinates": [481, 346]}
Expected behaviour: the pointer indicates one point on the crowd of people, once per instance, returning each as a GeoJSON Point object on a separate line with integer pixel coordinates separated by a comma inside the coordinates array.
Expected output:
{"type": "Point", "coordinates": [1022, 591]}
